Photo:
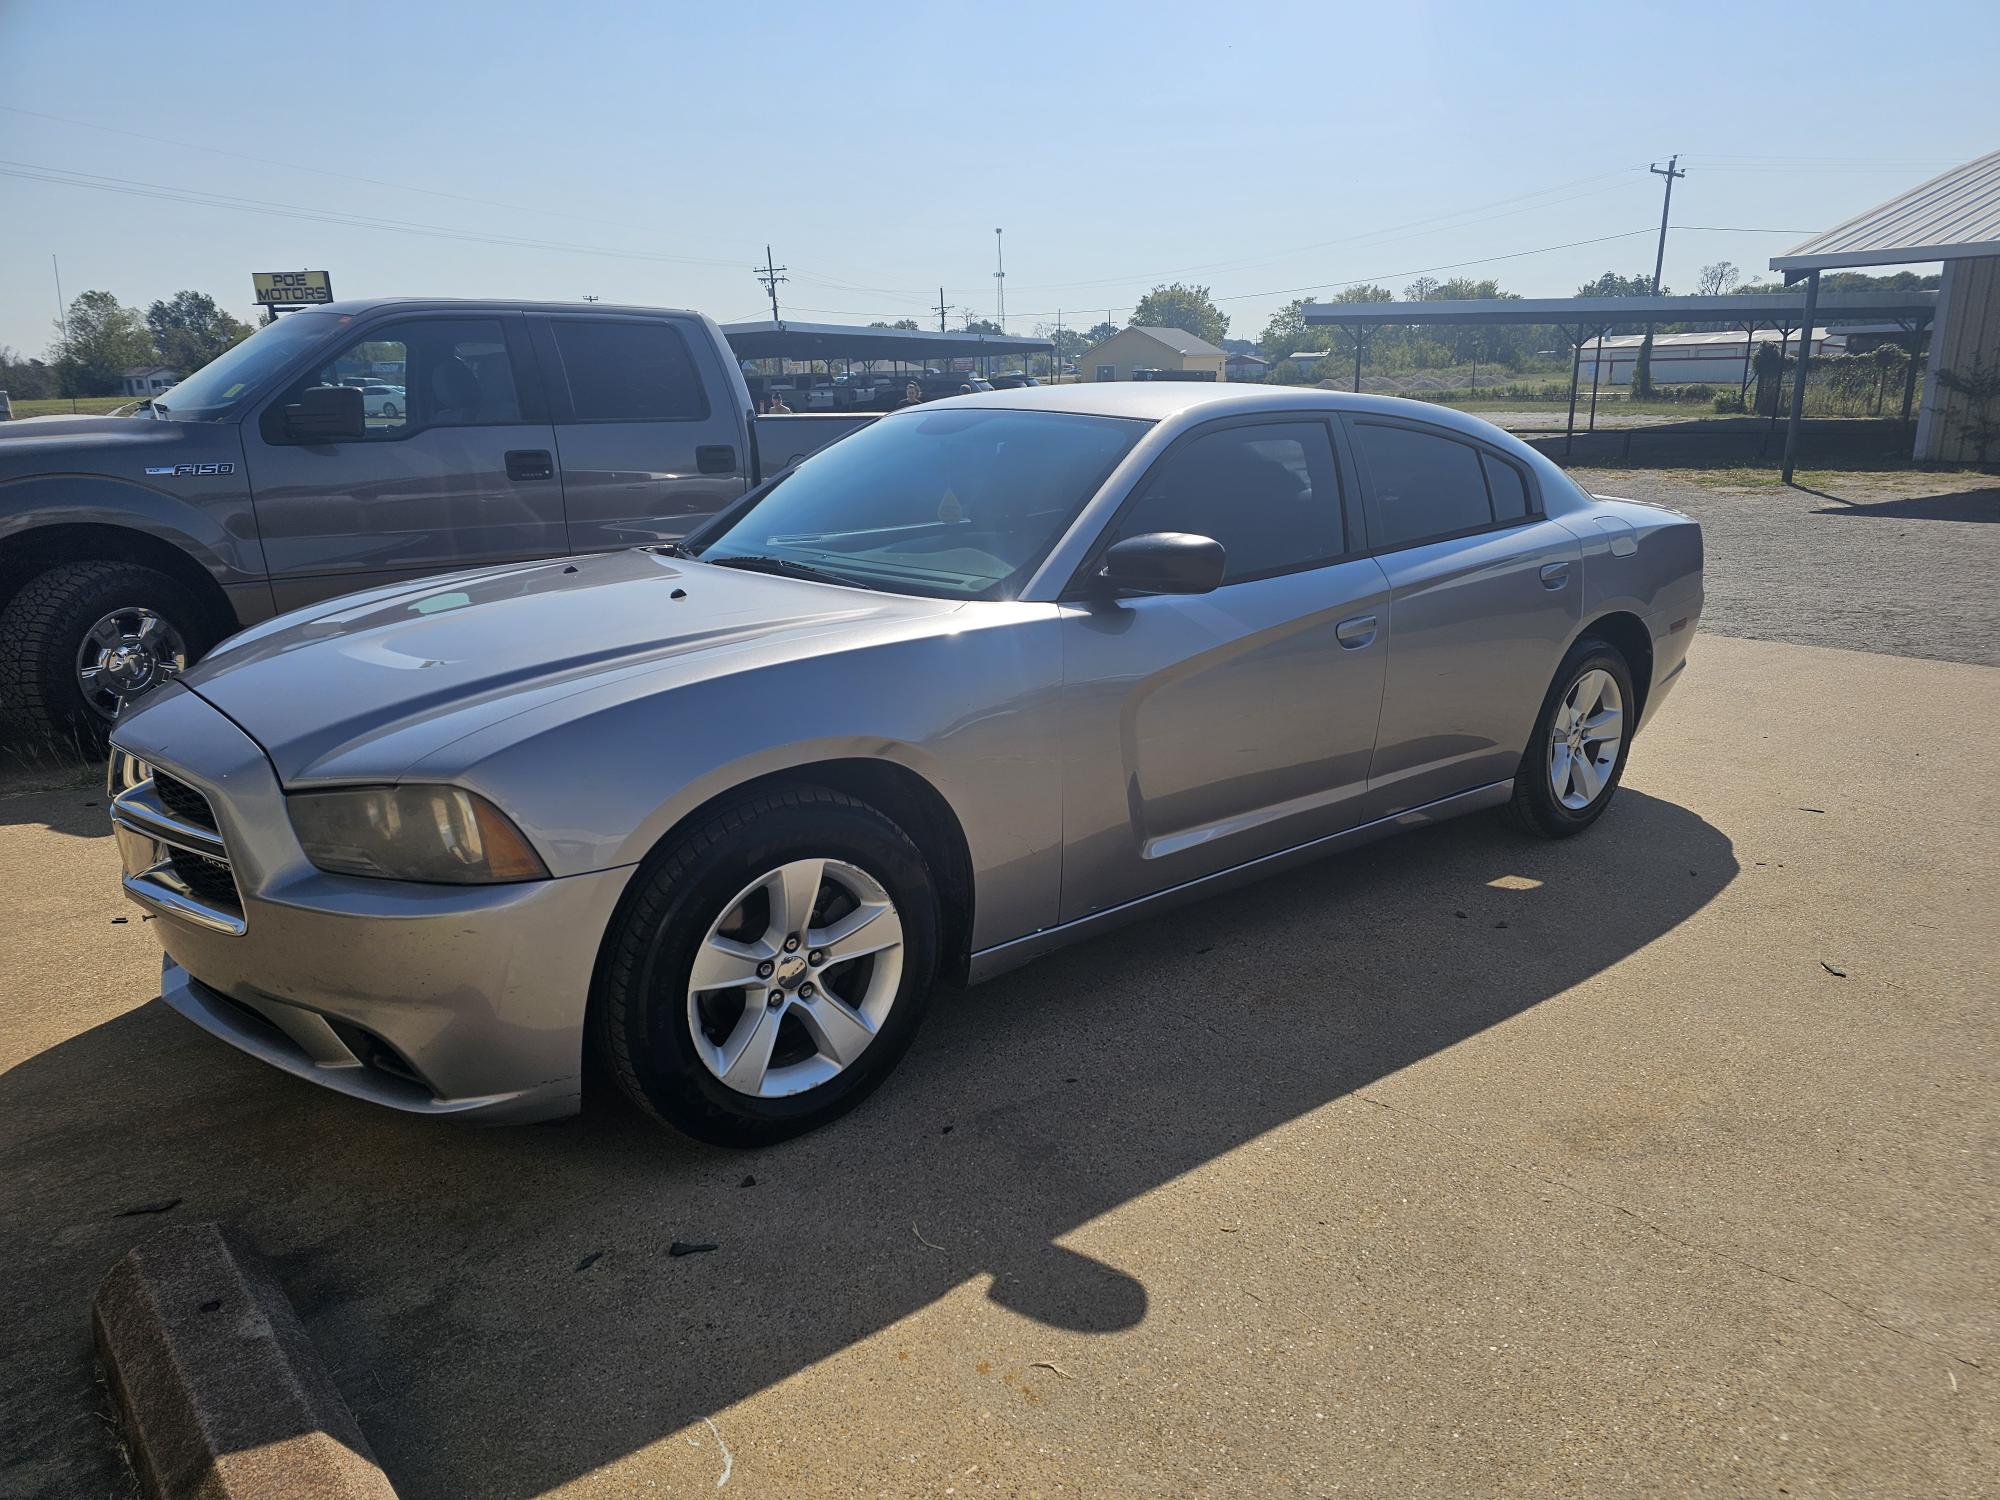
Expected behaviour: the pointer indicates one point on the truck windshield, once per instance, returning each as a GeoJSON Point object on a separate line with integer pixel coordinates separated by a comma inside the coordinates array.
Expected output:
{"type": "Point", "coordinates": [950, 504]}
{"type": "Point", "coordinates": [223, 381]}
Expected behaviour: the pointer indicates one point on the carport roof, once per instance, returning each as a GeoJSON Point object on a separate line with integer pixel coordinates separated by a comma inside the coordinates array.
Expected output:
{"type": "Point", "coordinates": [1763, 307]}
{"type": "Point", "coordinates": [789, 340]}
{"type": "Point", "coordinates": [1954, 216]}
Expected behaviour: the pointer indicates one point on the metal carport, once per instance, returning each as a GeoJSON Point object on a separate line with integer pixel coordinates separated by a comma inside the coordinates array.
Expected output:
{"type": "Point", "coordinates": [1954, 219]}
{"type": "Point", "coordinates": [1586, 318]}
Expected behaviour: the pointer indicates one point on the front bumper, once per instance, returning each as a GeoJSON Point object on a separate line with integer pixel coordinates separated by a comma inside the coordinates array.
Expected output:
{"type": "Point", "coordinates": [450, 1000]}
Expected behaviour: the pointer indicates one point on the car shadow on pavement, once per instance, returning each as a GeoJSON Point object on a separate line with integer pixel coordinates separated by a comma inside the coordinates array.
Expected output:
{"type": "Point", "coordinates": [505, 1309]}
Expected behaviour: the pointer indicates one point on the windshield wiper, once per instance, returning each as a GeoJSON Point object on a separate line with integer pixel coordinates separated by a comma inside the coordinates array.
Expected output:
{"type": "Point", "coordinates": [755, 562]}
{"type": "Point", "coordinates": [673, 549]}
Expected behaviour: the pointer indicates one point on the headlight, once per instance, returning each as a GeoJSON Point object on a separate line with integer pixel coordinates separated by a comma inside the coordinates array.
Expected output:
{"type": "Point", "coordinates": [431, 833]}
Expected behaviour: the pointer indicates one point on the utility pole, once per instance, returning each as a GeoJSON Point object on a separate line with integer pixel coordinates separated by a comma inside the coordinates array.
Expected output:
{"type": "Point", "coordinates": [1670, 172]}
{"type": "Point", "coordinates": [62, 311]}
{"type": "Point", "coordinates": [1660, 256]}
{"type": "Point", "coordinates": [770, 276]}
{"type": "Point", "coordinates": [942, 309]}
{"type": "Point", "coordinates": [1000, 279]}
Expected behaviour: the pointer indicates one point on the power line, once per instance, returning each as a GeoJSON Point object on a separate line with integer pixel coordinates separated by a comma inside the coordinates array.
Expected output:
{"type": "Point", "coordinates": [295, 165]}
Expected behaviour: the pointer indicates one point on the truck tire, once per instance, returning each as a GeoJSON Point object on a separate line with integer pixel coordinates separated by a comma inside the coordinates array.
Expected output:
{"type": "Point", "coordinates": [79, 639]}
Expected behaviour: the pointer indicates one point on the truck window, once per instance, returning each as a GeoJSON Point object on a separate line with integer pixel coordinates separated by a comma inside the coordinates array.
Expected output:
{"type": "Point", "coordinates": [426, 372]}
{"type": "Point", "coordinates": [628, 371]}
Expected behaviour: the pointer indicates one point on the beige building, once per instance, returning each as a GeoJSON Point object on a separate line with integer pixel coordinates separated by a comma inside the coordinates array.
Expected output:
{"type": "Point", "coordinates": [1165, 349]}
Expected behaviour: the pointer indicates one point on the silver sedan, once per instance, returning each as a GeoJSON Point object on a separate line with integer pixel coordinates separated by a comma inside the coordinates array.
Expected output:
{"type": "Point", "coordinates": [985, 678]}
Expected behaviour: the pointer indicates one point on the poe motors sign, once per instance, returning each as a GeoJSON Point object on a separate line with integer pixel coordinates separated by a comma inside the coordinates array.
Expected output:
{"type": "Point", "coordinates": [291, 288]}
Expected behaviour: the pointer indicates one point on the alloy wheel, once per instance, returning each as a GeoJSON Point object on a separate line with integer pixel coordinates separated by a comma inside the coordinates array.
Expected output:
{"type": "Point", "coordinates": [795, 978]}
{"type": "Point", "coordinates": [126, 652]}
{"type": "Point", "coordinates": [1584, 738]}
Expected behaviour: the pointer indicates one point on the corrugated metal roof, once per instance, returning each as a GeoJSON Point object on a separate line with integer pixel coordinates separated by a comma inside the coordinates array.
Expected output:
{"type": "Point", "coordinates": [1179, 340]}
{"type": "Point", "coordinates": [1952, 217]}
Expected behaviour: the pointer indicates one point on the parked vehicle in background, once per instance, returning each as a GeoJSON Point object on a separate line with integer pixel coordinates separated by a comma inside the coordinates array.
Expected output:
{"type": "Point", "coordinates": [1012, 382]}
{"type": "Point", "coordinates": [938, 386]}
{"type": "Point", "coordinates": [383, 400]}
{"type": "Point", "coordinates": [270, 478]}
{"type": "Point", "coordinates": [989, 676]}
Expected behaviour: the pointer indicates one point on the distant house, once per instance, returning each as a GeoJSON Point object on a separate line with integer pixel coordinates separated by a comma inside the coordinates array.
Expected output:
{"type": "Point", "coordinates": [148, 380]}
{"type": "Point", "coordinates": [1245, 367]}
{"type": "Point", "coordinates": [1167, 350]}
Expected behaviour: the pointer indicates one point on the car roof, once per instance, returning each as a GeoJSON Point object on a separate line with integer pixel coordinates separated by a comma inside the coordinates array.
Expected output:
{"type": "Point", "coordinates": [1158, 400]}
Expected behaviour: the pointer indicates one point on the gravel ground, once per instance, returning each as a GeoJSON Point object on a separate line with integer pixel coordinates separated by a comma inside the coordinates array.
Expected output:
{"type": "Point", "coordinates": [1903, 563]}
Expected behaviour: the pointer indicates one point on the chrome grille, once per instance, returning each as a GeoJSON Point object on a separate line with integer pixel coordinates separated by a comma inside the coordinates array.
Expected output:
{"type": "Point", "coordinates": [175, 857]}
{"type": "Point", "coordinates": [183, 801]}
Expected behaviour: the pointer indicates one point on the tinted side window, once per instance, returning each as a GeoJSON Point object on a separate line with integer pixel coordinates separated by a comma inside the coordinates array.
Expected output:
{"type": "Point", "coordinates": [1425, 487]}
{"type": "Point", "coordinates": [1508, 489]}
{"type": "Point", "coordinates": [432, 372]}
{"type": "Point", "coordinates": [1267, 493]}
{"type": "Point", "coordinates": [629, 372]}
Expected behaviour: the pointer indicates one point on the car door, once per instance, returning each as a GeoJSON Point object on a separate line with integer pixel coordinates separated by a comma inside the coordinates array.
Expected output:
{"type": "Point", "coordinates": [1484, 596]}
{"type": "Point", "coordinates": [1208, 730]}
{"type": "Point", "coordinates": [649, 447]}
{"type": "Point", "coordinates": [463, 475]}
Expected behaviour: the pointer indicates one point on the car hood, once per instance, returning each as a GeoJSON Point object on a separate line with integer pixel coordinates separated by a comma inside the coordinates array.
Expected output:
{"type": "Point", "coordinates": [365, 686]}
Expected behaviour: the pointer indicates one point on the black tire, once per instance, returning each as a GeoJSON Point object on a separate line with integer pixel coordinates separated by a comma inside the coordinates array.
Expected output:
{"type": "Point", "coordinates": [44, 626]}
{"type": "Point", "coordinates": [639, 1013]}
{"type": "Point", "coordinates": [1535, 808]}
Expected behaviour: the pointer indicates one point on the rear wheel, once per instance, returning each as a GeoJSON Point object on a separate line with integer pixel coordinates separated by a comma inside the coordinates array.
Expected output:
{"type": "Point", "coordinates": [80, 640]}
{"type": "Point", "coordinates": [1576, 755]}
{"type": "Point", "coordinates": [769, 969]}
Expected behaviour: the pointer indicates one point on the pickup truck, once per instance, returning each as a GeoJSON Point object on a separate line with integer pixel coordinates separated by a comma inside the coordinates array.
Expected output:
{"type": "Point", "coordinates": [267, 480]}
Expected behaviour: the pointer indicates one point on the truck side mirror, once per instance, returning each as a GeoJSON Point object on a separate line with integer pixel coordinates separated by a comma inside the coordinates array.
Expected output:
{"type": "Point", "coordinates": [325, 414]}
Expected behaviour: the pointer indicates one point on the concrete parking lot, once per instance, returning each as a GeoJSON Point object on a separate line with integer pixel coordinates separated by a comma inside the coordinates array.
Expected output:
{"type": "Point", "coordinates": [1658, 1162]}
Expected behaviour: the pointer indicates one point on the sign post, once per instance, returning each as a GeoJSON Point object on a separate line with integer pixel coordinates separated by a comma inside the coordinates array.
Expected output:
{"type": "Point", "coordinates": [282, 291]}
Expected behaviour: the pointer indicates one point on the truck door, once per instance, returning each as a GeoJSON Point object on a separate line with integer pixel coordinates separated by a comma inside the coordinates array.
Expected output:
{"type": "Point", "coordinates": [456, 468]}
{"type": "Point", "coordinates": [648, 433]}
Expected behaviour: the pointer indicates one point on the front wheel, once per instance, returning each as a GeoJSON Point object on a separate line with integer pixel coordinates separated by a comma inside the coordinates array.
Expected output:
{"type": "Point", "coordinates": [1576, 755]}
{"type": "Point", "coordinates": [769, 969]}
{"type": "Point", "coordinates": [79, 641]}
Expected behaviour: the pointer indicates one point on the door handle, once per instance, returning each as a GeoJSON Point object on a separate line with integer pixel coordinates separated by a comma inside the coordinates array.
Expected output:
{"type": "Point", "coordinates": [1355, 633]}
{"type": "Point", "coordinates": [1555, 575]}
{"type": "Point", "coordinates": [715, 458]}
{"type": "Point", "coordinates": [530, 463]}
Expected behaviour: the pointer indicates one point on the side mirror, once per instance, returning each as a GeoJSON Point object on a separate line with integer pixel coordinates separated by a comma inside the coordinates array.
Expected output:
{"type": "Point", "coordinates": [1164, 562]}
{"type": "Point", "coordinates": [326, 413]}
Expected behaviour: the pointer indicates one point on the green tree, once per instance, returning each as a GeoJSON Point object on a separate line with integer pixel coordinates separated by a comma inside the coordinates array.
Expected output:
{"type": "Point", "coordinates": [189, 330]}
{"type": "Point", "coordinates": [103, 338]}
{"type": "Point", "coordinates": [1068, 341]}
{"type": "Point", "coordinates": [906, 324]}
{"type": "Point", "coordinates": [1187, 308]}
{"type": "Point", "coordinates": [25, 379]}
{"type": "Point", "coordinates": [981, 325]}
{"type": "Point", "coordinates": [1611, 284]}
{"type": "Point", "coordinates": [1099, 332]}
{"type": "Point", "coordinates": [1421, 290]}
{"type": "Point", "coordinates": [1287, 334]}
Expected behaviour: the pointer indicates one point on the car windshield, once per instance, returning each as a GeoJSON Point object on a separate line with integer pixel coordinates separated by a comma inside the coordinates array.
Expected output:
{"type": "Point", "coordinates": [952, 503]}
{"type": "Point", "coordinates": [217, 385]}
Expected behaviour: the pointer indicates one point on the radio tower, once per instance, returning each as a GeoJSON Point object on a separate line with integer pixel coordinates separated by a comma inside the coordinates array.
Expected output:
{"type": "Point", "coordinates": [1000, 279]}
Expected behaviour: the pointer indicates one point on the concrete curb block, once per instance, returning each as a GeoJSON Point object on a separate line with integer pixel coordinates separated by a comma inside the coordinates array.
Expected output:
{"type": "Point", "coordinates": [221, 1394]}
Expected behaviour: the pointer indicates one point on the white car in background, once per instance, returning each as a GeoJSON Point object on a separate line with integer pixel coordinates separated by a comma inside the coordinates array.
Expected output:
{"type": "Point", "coordinates": [383, 400]}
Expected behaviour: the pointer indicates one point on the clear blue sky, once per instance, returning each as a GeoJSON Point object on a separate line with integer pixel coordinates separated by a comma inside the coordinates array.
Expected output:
{"type": "Point", "coordinates": [1260, 148]}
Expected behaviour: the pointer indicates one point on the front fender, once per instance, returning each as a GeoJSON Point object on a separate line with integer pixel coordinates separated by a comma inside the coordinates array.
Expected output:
{"type": "Point", "coordinates": [600, 778]}
{"type": "Point", "coordinates": [207, 518]}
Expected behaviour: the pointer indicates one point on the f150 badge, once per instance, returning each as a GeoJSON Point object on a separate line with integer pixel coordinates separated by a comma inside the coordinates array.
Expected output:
{"type": "Point", "coordinates": [191, 471]}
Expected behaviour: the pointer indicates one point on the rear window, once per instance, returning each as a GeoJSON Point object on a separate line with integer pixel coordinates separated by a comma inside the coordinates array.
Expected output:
{"type": "Point", "coordinates": [1509, 490]}
{"type": "Point", "coordinates": [628, 372]}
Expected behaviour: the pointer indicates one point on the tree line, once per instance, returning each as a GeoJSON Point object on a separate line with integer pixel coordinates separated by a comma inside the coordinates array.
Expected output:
{"type": "Point", "coordinates": [100, 338]}
{"type": "Point", "coordinates": [1396, 349]}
